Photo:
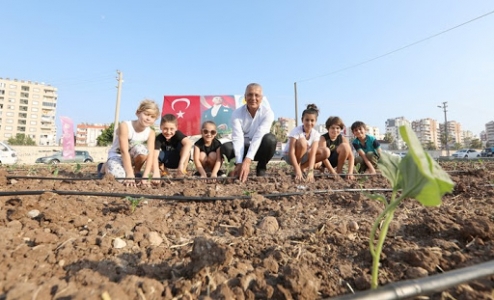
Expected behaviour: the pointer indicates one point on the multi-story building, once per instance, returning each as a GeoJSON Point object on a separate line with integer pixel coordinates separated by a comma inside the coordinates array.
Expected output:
{"type": "Point", "coordinates": [392, 127]}
{"type": "Point", "coordinates": [87, 134]}
{"type": "Point", "coordinates": [489, 132]}
{"type": "Point", "coordinates": [454, 132]}
{"type": "Point", "coordinates": [427, 131]}
{"type": "Point", "coordinates": [372, 130]}
{"type": "Point", "coordinates": [28, 108]}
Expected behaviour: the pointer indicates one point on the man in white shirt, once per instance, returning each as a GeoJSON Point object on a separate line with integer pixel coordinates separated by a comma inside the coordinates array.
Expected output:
{"type": "Point", "coordinates": [251, 137]}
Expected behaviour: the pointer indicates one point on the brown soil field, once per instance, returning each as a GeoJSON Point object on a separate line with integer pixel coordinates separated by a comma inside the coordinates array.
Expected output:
{"type": "Point", "coordinates": [66, 234]}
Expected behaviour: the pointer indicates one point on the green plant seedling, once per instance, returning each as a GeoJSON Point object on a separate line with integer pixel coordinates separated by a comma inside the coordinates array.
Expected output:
{"type": "Point", "coordinates": [134, 202]}
{"type": "Point", "coordinates": [55, 171]}
{"type": "Point", "coordinates": [77, 168]}
{"type": "Point", "coordinates": [417, 176]}
{"type": "Point", "coordinates": [229, 164]}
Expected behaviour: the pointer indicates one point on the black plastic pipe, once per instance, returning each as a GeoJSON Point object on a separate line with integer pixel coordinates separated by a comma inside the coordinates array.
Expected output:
{"type": "Point", "coordinates": [179, 197]}
{"type": "Point", "coordinates": [424, 286]}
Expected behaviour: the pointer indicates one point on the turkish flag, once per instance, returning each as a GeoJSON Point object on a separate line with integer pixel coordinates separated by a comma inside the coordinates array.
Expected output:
{"type": "Point", "coordinates": [187, 109]}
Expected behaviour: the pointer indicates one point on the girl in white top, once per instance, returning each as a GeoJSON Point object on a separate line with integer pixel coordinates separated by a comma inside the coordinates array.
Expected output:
{"type": "Point", "coordinates": [302, 150]}
{"type": "Point", "coordinates": [133, 145]}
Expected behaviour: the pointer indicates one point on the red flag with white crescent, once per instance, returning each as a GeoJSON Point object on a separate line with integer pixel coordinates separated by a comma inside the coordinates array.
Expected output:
{"type": "Point", "coordinates": [187, 109]}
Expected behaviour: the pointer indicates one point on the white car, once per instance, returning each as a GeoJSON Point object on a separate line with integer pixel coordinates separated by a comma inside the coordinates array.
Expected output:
{"type": "Point", "coordinates": [466, 153]}
{"type": "Point", "coordinates": [7, 155]}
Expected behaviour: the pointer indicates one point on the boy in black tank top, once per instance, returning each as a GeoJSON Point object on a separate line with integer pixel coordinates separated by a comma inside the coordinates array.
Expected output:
{"type": "Point", "coordinates": [340, 148]}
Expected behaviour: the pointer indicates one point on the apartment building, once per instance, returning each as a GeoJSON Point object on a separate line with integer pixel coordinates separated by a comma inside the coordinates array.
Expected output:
{"type": "Point", "coordinates": [392, 127]}
{"type": "Point", "coordinates": [455, 135]}
{"type": "Point", "coordinates": [29, 108]}
{"type": "Point", "coordinates": [427, 131]}
{"type": "Point", "coordinates": [87, 134]}
{"type": "Point", "coordinates": [489, 132]}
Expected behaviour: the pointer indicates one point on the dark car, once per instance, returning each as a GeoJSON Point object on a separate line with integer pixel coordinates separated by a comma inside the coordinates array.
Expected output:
{"type": "Point", "coordinates": [487, 152]}
{"type": "Point", "coordinates": [80, 157]}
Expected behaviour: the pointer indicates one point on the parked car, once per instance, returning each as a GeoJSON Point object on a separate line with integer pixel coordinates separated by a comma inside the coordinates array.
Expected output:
{"type": "Point", "coordinates": [7, 155]}
{"type": "Point", "coordinates": [487, 152]}
{"type": "Point", "coordinates": [466, 153]}
{"type": "Point", "coordinates": [80, 157]}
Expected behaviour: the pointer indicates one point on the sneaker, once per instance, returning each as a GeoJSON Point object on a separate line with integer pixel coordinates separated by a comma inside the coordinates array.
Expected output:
{"type": "Point", "coordinates": [261, 172]}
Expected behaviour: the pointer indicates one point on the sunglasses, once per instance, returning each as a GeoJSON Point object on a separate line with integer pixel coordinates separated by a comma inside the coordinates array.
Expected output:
{"type": "Point", "coordinates": [205, 131]}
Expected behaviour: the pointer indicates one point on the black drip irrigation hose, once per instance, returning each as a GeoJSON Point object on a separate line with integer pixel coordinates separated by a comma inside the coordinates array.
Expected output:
{"type": "Point", "coordinates": [323, 175]}
{"type": "Point", "coordinates": [180, 197]}
{"type": "Point", "coordinates": [424, 286]}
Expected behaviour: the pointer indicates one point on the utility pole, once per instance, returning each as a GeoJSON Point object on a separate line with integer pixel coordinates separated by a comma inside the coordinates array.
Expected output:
{"type": "Point", "coordinates": [117, 108]}
{"type": "Point", "coordinates": [444, 107]}
{"type": "Point", "coordinates": [296, 104]}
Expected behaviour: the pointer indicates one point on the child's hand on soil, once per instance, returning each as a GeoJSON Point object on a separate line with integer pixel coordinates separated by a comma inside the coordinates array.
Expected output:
{"type": "Point", "coordinates": [310, 177]}
{"type": "Point", "coordinates": [298, 176]}
{"type": "Point", "coordinates": [130, 182]}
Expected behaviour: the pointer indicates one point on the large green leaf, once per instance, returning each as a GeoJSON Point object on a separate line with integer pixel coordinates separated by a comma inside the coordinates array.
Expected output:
{"type": "Point", "coordinates": [423, 178]}
{"type": "Point", "coordinates": [388, 164]}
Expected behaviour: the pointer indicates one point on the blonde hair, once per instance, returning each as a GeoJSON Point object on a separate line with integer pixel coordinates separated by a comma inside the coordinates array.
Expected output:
{"type": "Point", "coordinates": [147, 104]}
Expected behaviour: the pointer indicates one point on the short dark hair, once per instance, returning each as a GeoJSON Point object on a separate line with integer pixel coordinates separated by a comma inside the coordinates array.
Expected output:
{"type": "Point", "coordinates": [333, 120]}
{"type": "Point", "coordinates": [168, 118]}
{"type": "Point", "coordinates": [357, 125]}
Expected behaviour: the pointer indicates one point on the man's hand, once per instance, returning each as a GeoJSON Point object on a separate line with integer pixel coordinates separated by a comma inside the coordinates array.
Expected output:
{"type": "Point", "coordinates": [243, 169]}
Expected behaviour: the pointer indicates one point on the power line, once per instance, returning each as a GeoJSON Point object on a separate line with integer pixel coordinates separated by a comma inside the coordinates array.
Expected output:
{"type": "Point", "coordinates": [399, 49]}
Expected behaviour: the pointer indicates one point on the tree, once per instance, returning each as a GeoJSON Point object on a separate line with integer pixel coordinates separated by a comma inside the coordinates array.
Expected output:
{"type": "Point", "coordinates": [393, 145]}
{"type": "Point", "coordinates": [278, 131]}
{"type": "Point", "coordinates": [476, 144]}
{"type": "Point", "coordinates": [443, 140]}
{"type": "Point", "coordinates": [430, 146]}
{"type": "Point", "coordinates": [457, 146]}
{"type": "Point", "coordinates": [106, 136]}
{"type": "Point", "coordinates": [21, 139]}
{"type": "Point", "coordinates": [388, 137]}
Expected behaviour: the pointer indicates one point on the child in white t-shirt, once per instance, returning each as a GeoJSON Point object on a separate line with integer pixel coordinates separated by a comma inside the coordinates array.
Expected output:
{"type": "Point", "coordinates": [302, 150]}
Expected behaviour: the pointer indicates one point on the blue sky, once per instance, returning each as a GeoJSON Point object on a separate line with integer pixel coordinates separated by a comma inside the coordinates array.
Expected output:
{"type": "Point", "coordinates": [218, 47]}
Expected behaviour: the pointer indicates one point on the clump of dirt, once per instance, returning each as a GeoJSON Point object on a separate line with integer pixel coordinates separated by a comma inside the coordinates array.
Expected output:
{"type": "Point", "coordinates": [221, 239]}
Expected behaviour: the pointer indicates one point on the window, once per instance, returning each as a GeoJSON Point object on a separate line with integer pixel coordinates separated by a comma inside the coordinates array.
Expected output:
{"type": "Point", "coordinates": [49, 104]}
{"type": "Point", "coordinates": [2, 84]}
{"type": "Point", "coordinates": [25, 95]}
{"type": "Point", "coordinates": [9, 121]}
{"type": "Point", "coordinates": [8, 127]}
{"type": "Point", "coordinates": [10, 114]}
{"type": "Point", "coordinates": [23, 108]}
{"type": "Point", "coordinates": [32, 129]}
{"type": "Point", "coordinates": [11, 100]}
{"type": "Point", "coordinates": [21, 122]}
{"type": "Point", "coordinates": [2, 98]}
{"type": "Point", "coordinates": [34, 109]}
{"type": "Point", "coordinates": [2, 92]}
{"type": "Point", "coordinates": [11, 93]}
{"type": "Point", "coordinates": [35, 102]}
{"type": "Point", "coordinates": [36, 90]}
{"type": "Point", "coordinates": [35, 96]}
{"type": "Point", "coordinates": [21, 128]}
{"type": "Point", "coordinates": [25, 88]}
{"type": "Point", "coordinates": [34, 116]}
{"type": "Point", "coordinates": [12, 86]}
{"type": "Point", "coordinates": [33, 122]}
{"type": "Point", "coordinates": [22, 115]}
{"type": "Point", "coordinates": [10, 107]}
{"type": "Point", "coordinates": [8, 135]}
{"type": "Point", "coordinates": [24, 101]}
